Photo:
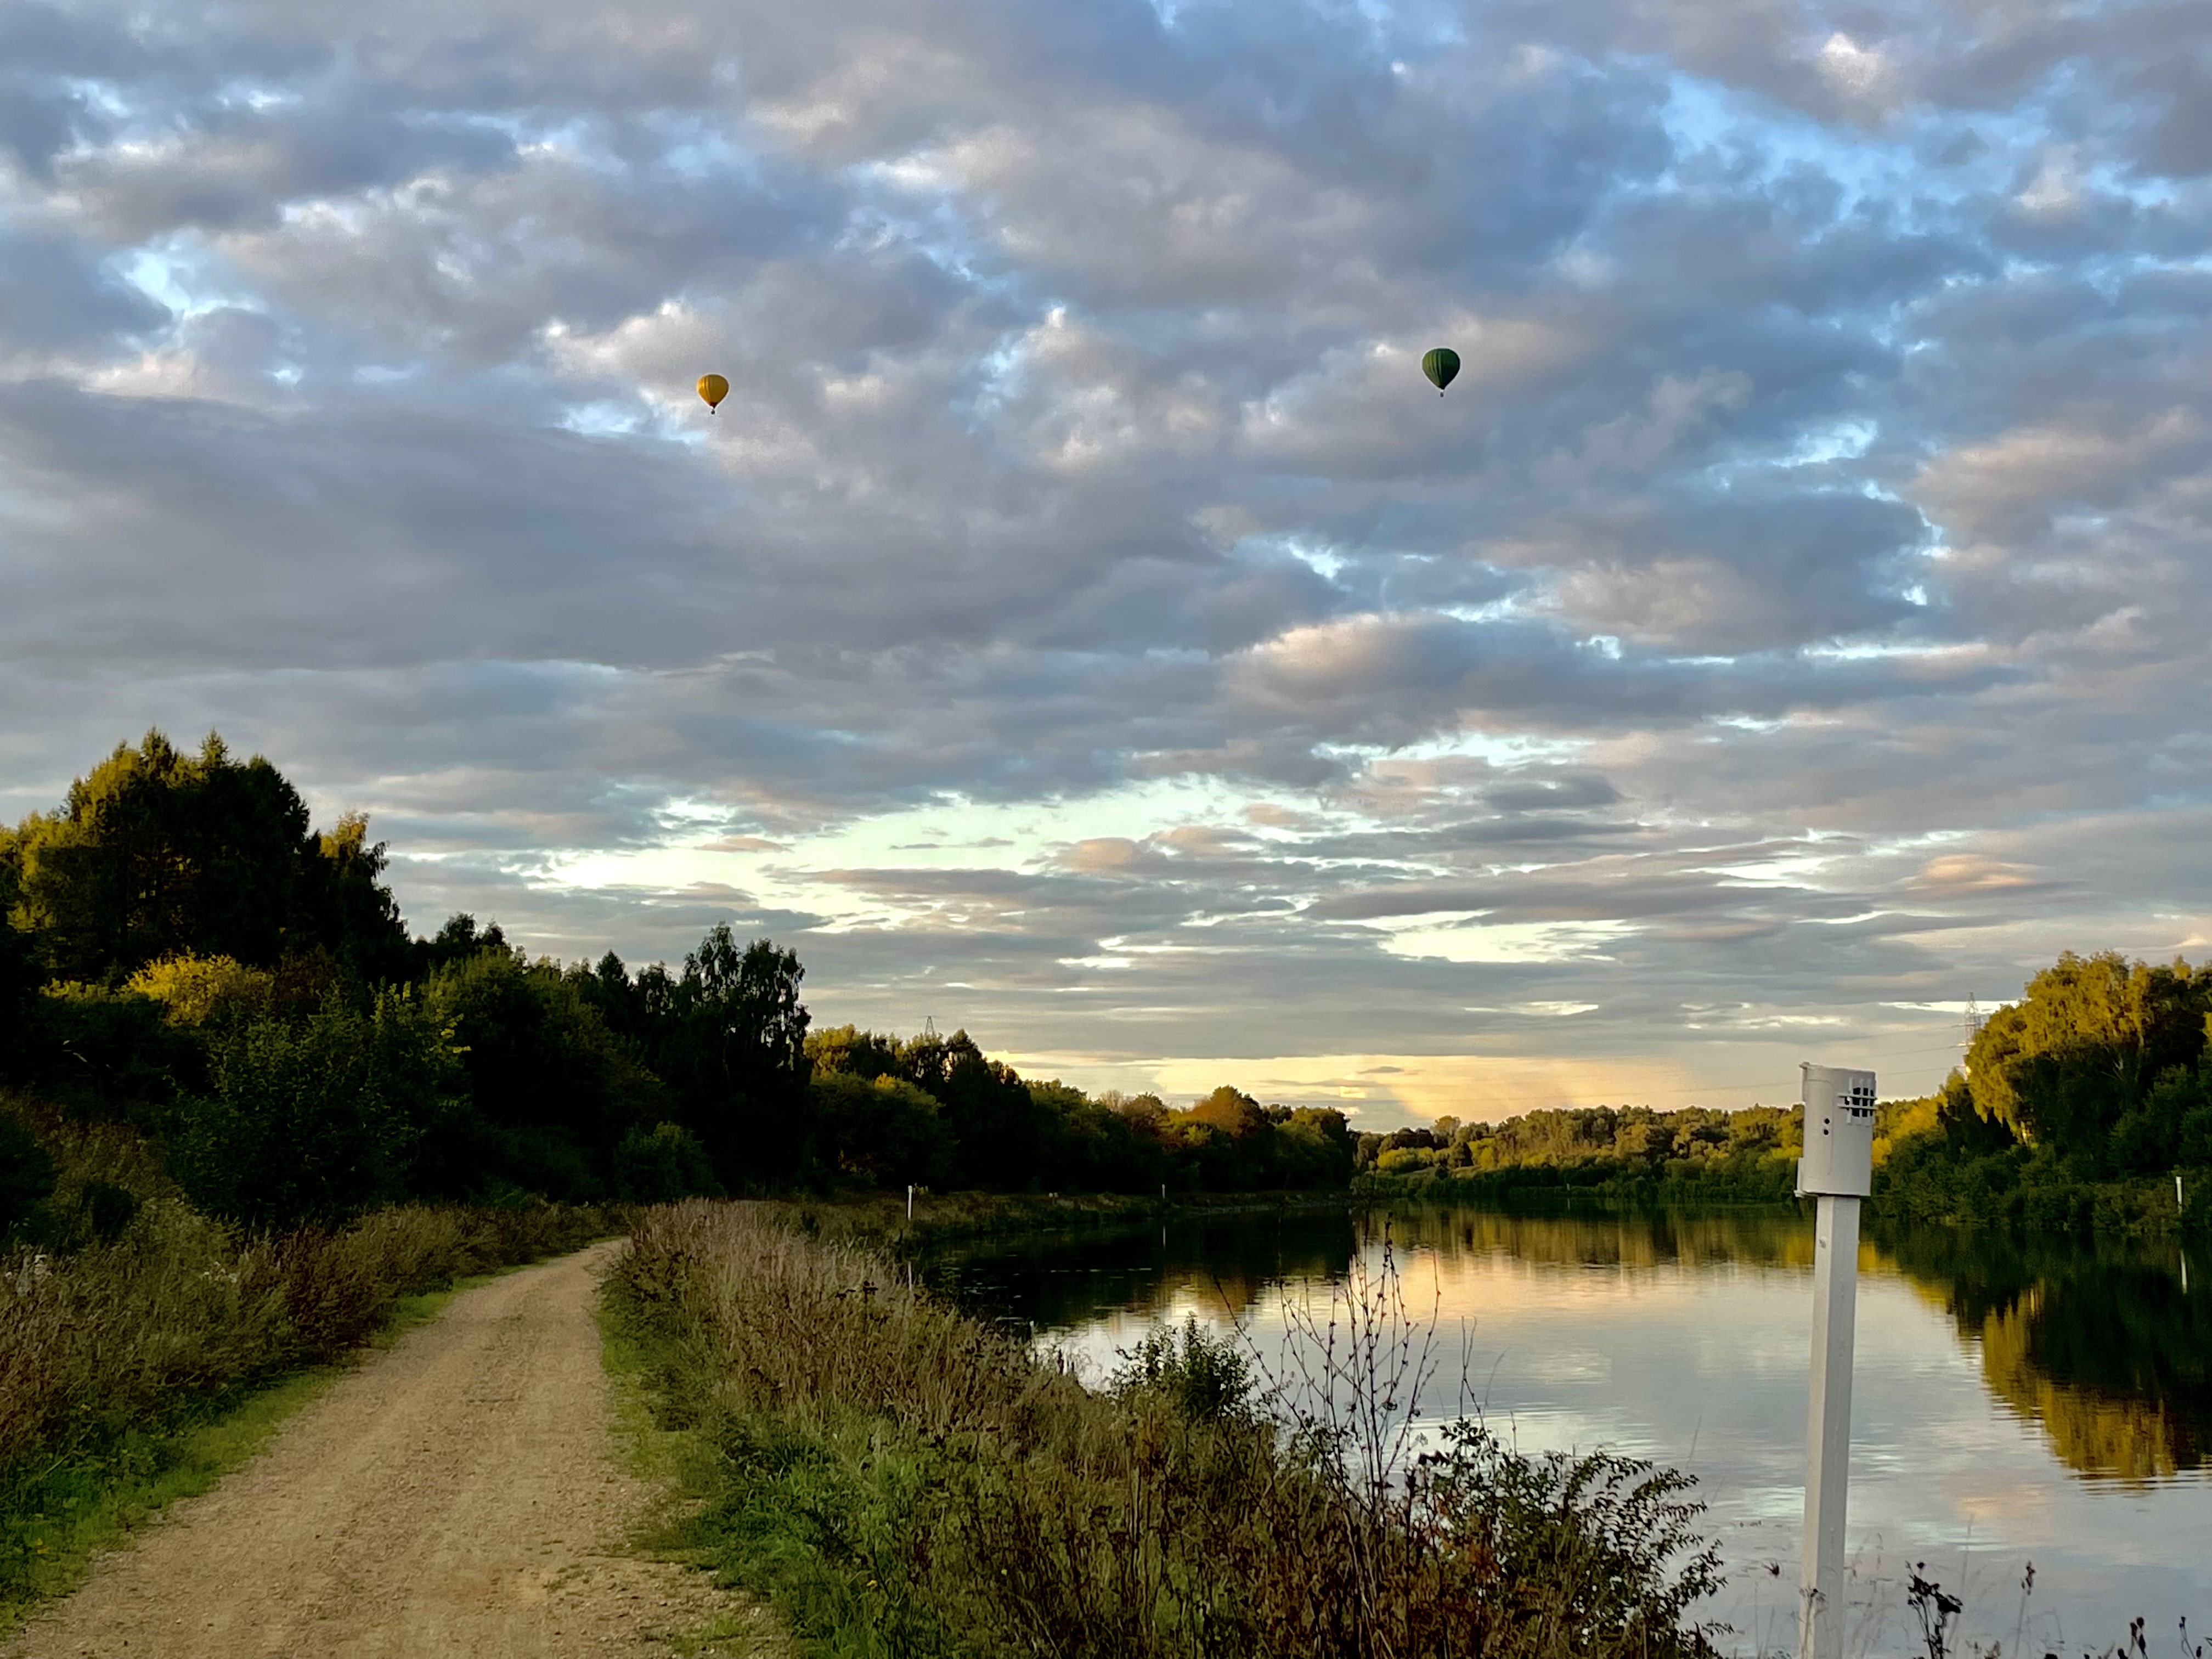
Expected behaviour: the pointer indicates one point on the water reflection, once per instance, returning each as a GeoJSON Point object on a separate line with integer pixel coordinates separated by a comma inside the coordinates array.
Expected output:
{"type": "Point", "coordinates": [1224, 1264]}
{"type": "Point", "coordinates": [1666, 1238]}
{"type": "Point", "coordinates": [2103, 1350]}
{"type": "Point", "coordinates": [2014, 1402]}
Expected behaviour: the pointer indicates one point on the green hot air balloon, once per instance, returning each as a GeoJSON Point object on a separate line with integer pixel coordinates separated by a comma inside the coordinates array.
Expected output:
{"type": "Point", "coordinates": [1440, 366]}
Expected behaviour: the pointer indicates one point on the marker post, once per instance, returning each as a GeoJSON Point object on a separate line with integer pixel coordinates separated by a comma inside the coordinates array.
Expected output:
{"type": "Point", "coordinates": [1837, 1169]}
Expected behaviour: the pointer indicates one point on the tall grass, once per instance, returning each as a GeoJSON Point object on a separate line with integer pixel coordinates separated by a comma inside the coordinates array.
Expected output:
{"type": "Point", "coordinates": [118, 1335]}
{"type": "Point", "coordinates": [905, 1480]}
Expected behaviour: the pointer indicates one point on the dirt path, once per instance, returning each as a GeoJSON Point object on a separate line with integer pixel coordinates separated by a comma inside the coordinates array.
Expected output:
{"type": "Point", "coordinates": [454, 1499]}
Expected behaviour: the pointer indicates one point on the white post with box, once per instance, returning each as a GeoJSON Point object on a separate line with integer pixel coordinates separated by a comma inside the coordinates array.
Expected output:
{"type": "Point", "coordinates": [1837, 1168]}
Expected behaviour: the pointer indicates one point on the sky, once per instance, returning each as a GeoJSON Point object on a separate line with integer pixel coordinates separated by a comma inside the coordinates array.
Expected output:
{"type": "Point", "coordinates": [1082, 623]}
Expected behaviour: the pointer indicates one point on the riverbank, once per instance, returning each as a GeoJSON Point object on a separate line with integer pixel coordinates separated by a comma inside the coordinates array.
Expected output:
{"type": "Point", "coordinates": [1921, 1183]}
{"type": "Point", "coordinates": [1593, 1186]}
{"type": "Point", "coordinates": [1925, 1183]}
{"type": "Point", "coordinates": [895, 1476]}
{"type": "Point", "coordinates": [879, 1221]}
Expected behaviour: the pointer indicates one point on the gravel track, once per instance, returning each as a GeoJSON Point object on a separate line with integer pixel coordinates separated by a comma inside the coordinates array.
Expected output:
{"type": "Point", "coordinates": [453, 1498]}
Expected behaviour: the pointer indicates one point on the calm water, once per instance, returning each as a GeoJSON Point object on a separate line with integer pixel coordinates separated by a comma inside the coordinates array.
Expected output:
{"type": "Point", "coordinates": [2012, 1404]}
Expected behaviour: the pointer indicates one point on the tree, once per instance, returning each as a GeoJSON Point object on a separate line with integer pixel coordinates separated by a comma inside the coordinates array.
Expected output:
{"type": "Point", "coordinates": [880, 1131]}
{"type": "Point", "coordinates": [350, 909]}
{"type": "Point", "coordinates": [729, 1038]}
{"type": "Point", "coordinates": [862, 1054]}
{"type": "Point", "coordinates": [158, 853]}
{"type": "Point", "coordinates": [19, 975]}
{"type": "Point", "coordinates": [996, 1126]}
{"type": "Point", "coordinates": [2083, 1047]}
{"type": "Point", "coordinates": [1316, 1148]}
{"type": "Point", "coordinates": [552, 1091]}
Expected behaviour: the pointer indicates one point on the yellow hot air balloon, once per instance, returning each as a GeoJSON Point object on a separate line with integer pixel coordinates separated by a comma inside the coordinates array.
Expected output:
{"type": "Point", "coordinates": [712, 388]}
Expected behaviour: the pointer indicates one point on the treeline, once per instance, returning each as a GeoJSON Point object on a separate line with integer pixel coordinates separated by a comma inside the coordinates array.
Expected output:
{"type": "Point", "coordinates": [1626, 1152]}
{"type": "Point", "coordinates": [183, 952]}
{"type": "Point", "coordinates": [2075, 1108]}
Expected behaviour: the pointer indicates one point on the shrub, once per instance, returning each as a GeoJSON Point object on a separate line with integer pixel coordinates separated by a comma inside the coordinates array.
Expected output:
{"type": "Point", "coordinates": [1202, 1375]}
{"type": "Point", "coordinates": [198, 989]}
{"type": "Point", "coordinates": [312, 1119]}
{"type": "Point", "coordinates": [662, 1165]}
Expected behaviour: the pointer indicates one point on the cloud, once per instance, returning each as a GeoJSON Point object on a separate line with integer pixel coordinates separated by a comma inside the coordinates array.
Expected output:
{"type": "Point", "coordinates": [1789, 610]}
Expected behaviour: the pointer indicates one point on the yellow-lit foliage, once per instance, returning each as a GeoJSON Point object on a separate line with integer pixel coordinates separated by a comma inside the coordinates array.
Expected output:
{"type": "Point", "coordinates": [2097, 1433]}
{"type": "Point", "coordinates": [195, 989]}
{"type": "Point", "coordinates": [1898, 1121]}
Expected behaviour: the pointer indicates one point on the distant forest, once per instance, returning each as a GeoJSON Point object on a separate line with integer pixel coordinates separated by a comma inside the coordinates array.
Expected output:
{"type": "Point", "coordinates": [185, 953]}
{"type": "Point", "coordinates": [2075, 1107]}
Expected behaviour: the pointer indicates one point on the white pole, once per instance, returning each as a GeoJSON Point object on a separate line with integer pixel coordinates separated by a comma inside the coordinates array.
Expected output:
{"type": "Point", "coordinates": [909, 1200]}
{"type": "Point", "coordinates": [1837, 1169]}
{"type": "Point", "coordinates": [1828, 1432]}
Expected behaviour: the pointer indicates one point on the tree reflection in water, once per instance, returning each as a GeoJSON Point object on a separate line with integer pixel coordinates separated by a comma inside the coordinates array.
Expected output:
{"type": "Point", "coordinates": [2100, 1347]}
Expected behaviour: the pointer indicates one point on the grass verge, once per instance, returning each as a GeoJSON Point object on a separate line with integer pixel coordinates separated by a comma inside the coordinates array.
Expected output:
{"type": "Point", "coordinates": [57, 1517]}
{"type": "Point", "coordinates": [677, 1463]}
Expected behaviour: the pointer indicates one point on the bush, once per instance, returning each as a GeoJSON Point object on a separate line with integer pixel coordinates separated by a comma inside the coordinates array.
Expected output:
{"type": "Point", "coordinates": [195, 990]}
{"type": "Point", "coordinates": [1203, 1376]}
{"type": "Point", "coordinates": [661, 1165]}
{"type": "Point", "coordinates": [314, 1119]}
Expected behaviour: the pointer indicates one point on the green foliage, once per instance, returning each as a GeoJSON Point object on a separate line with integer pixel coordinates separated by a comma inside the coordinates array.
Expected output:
{"type": "Point", "coordinates": [195, 990]}
{"type": "Point", "coordinates": [19, 970]}
{"type": "Point", "coordinates": [728, 1037]}
{"type": "Point", "coordinates": [1204, 1377]}
{"type": "Point", "coordinates": [156, 853]}
{"type": "Point", "coordinates": [879, 1132]}
{"type": "Point", "coordinates": [316, 1118]}
{"type": "Point", "coordinates": [1003, 1133]}
{"type": "Point", "coordinates": [185, 953]}
{"type": "Point", "coordinates": [2085, 1046]}
{"type": "Point", "coordinates": [2077, 1106]}
{"type": "Point", "coordinates": [550, 1090]}
{"type": "Point", "coordinates": [108, 1053]}
{"type": "Point", "coordinates": [661, 1164]}
{"type": "Point", "coordinates": [1602, 1542]}
{"type": "Point", "coordinates": [1628, 1153]}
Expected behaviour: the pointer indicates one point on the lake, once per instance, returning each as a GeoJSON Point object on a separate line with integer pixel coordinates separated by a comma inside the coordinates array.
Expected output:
{"type": "Point", "coordinates": [2013, 1403]}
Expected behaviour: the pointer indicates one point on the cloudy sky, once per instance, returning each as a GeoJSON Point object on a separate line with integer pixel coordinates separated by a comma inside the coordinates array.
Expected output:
{"type": "Point", "coordinates": [1082, 623]}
